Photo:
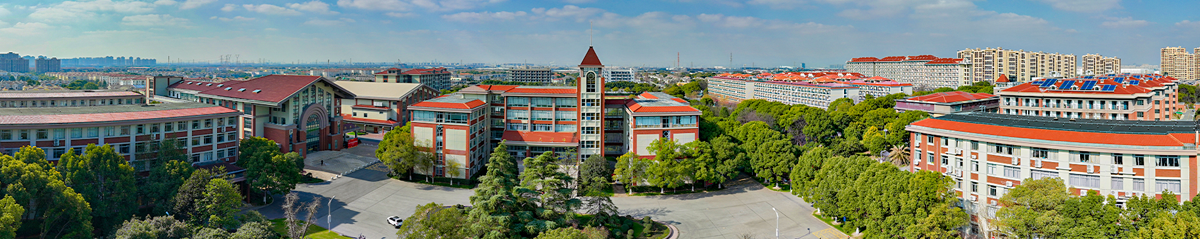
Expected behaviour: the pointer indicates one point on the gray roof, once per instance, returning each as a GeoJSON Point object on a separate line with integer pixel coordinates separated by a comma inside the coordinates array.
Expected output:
{"type": "Point", "coordinates": [1078, 125]}
{"type": "Point", "coordinates": [453, 98]}
{"type": "Point", "coordinates": [100, 109]}
{"type": "Point", "coordinates": [378, 89]}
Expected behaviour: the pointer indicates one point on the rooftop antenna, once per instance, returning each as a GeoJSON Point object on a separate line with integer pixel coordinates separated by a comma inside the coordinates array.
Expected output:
{"type": "Point", "coordinates": [589, 33]}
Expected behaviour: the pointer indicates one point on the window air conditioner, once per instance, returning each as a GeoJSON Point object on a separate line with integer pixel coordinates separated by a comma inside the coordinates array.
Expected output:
{"type": "Point", "coordinates": [974, 157]}
{"type": "Point", "coordinates": [1008, 183]}
{"type": "Point", "coordinates": [1016, 161]}
{"type": "Point", "coordinates": [971, 197]}
{"type": "Point", "coordinates": [1038, 163]}
{"type": "Point", "coordinates": [1091, 169]}
{"type": "Point", "coordinates": [992, 202]}
{"type": "Point", "coordinates": [57, 143]}
{"type": "Point", "coordinates": [1115, 170]}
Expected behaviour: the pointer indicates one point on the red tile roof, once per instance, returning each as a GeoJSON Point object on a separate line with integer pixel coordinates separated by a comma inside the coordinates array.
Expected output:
{"type": "Point", "coordinates": [951, 97]}
{"type": "Point", "coordinates": [894, 58]}
{"type": "Point", "coordinates": [537, 90]}
{"type": "Point", "coordinates": [438, 70]}
{"type": "Point", "coordinates": [864, 59]}
{"type": "Point", "coordinates": [64, 94]}
{"type": "Point", "coordinates": [199, 85]}
{"type": "Point", "coordinates": [591, 59]}
{"type": "Point", "coordinates": [647, 95]}
{"type": "Point", "coordinates": [922, 58]}
{"type": "Point", "coordinates": [387, 70]}
{"type": "Point", "coordinates": [940, 61]}
{"type": "Point", "coordinates": [1057, 135]}
{"type": "Point", "coordinates": [350, 118]}
{"type": "Point", "coordinates": [541, 137]}
{"type": "Point", "coordinates": [110, 117]}
{"type": "Point", "coordinates": [274, 88]}
{"type": "Point", "coordinates": [449, 105]}
{"type": "Point", "coordinates": [1002, 79]}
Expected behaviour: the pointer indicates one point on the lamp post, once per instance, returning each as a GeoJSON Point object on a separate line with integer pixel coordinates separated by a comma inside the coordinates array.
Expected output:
{"type": "Point", "coordinates": [329, 214]}
{"type": "Point", "coordinates": [776, 222]}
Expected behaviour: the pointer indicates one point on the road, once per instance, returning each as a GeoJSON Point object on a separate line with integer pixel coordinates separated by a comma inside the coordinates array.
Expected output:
{"type": "Point", "coordinates": [363, 200]}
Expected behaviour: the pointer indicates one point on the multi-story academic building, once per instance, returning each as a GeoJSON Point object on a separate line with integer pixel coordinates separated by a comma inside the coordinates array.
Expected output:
{"type": "Point", "coordinates": [803, 88]}
{"type": "Point", "coordinates": [923, 70]}
{"type": "Point", "coordinates": [58, 121]}
{"type": "Point", "coordinates": [577, 121]}
{"type": "Point", "coordinates": [938, 104]}
{"type": "Point", "coordinates": [1095, 64]}
{"type": "Point", "coordinates": [438, 78]}
{"type": "Point", "coordinates": [988, 63]}
{"type": "Point", "coordinates": [300, 113]}
{"type": "Point", "coordinates": [379, 107]}
{"type": "Point", "coordinates": [989, 154]}
{"type": "Point", "coordinates": [1112, 96]}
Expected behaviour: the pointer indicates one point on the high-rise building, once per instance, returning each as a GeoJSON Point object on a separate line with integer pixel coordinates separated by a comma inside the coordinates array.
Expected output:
{"type": "Point", "coordinates": [620, 74]}
{"type": "Point", "coordinates": [1178, 63]}
{"type": "Point", "coordinates": [48, 64]}
{"type": "Point", "coordinates": [530, 75]}
{"type": "Point", "coordinates": [989, 63]}
{"type": "Point", "coordinates": [922, 71]}
{"type": "Point", "coordinates": [12, 62]}
{"type": "Point", "coordinates": [438, 78]}
{"type": "Point", "coordinates": [1095, 64]}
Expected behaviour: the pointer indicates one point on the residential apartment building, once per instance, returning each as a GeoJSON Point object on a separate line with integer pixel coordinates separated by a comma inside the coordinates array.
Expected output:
{"type": "Point", "coordinates": [1112, 96]}
{"type": "Point", "coordinates": [12, 62]}
{"type": "Point", "coordinates": [574, 122]}
{"type": "Point", "coordinates": [43, 64]}
{"type": "Point", "coordinates": [73, 98]}
{"type": "Point", "coordinates": [811, 89]}
{"type": "Point", "coordinates": [939, 104]}
{"type": "Point", "coordinates": [530, 75]}
{"type": "Point", "coordinates": [1095, 64]}
{"type": "Point", "coordinates": [878, 87]}
{"type": "Point", "coordinates": [620, 74]}
{"type": "Point", "coordinates": [206, 133]}
{"type": "Point", "coordinates": [456, 129]}
{"type": "Point", "coordinates": [438, 78]}
{"type": "Point", "coordinates": [300, 113]}
{"type": "Point", "coordinates": [923, 71]}
{"type": "Point", "coordinates": [988, 63]}
{"type": "Point", "coordinates": [379, 107]}
{"type": "Point", "coordinates": [989, 154]}
{"type": "Point", "coordinates": [1177, 62]}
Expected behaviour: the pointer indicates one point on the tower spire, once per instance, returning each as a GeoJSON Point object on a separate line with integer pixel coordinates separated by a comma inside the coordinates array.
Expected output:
{"type": "Point", "coordinates": [589, 33]}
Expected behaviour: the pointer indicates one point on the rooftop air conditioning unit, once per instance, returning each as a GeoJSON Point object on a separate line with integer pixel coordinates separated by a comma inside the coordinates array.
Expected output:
{"type": "Point", "coordinates": [1008, 183]}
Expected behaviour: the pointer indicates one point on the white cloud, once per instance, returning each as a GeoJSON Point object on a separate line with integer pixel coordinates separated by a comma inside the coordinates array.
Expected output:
{"type": "Point", "coordinates": [234, 19]}
{"type": "Point", "coordinates": [579, 1]}
{"type": "Point", "coordinates": [25, 29]}
{"type": "Point", "coordinates": [190, 4]}
{"type": "Point", "coordinates": [451, 5]}
{"type": "Point", "coordinates": [4, 12]}
{"type": "Point", "coordinates": [313, 6]}
{"type": "Point", "coordinates": [323, 22]}
{"type": "Point", "coordinates": [1083, 5]}
{"type": "Point", "coordinates": [1124, 23]}
{"type": "Point", "coordinates": [153, 20]}
{"type": "Point", "coordinates": [270, 9]}
{"type": "Point", "coordinates": [1186, 23]}
{"type": "Point", "coordinates": [481, 17]}
{"type": "Point", "coordinates": [580, 14]}
{"type": "Point", "coordinates": [165, 2]}
{"type": "Point", "coordinates": [400, 14]}
{"type": "Point", "coordinates": [229, 7]}
{"type": "Point", "coordinates": [71, 11]}
{"type": "Point", "coordinates": [380, 5]}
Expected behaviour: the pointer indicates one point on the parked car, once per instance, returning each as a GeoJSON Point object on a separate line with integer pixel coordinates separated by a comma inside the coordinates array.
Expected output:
{"type": "Point", "coordinates": [395, 221]}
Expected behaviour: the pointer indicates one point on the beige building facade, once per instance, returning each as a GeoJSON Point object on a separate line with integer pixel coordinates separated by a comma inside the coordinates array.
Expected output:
{"type": "Point", "coordinates": [1178, 63]}
{"type": "Point", "coordinates": [1095, 64]}
{"type": "Point", "coordinates": [989, 63]}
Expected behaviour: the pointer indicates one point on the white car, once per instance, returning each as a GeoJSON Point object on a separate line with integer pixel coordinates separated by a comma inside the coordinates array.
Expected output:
{"type": "Point", "coordinates": [395, 221]}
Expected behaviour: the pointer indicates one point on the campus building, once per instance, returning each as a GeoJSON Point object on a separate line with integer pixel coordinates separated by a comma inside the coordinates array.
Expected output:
{"type": "Point", "coordinates": [989, 154]}
{"type": "Point", "coordinates": [816, 89]}
{"type": "Point", "coordinates": [620, 74]}
{"type": "Point", "coordinates": [938, 104]}
{"type": "Point", "coordinates": [574, 122]}
{"type": "Point", "coordinates": [71, 120]}
{"type": "Point", "coordinates": [527, 74]}
{"type": "Point", "coordinates": [923, 70]}
{"type": "Point", "coordinates": [989, 63]}
{"type": "Point", "coordinates": [300, 113]}
{"type": "Point", "coordinates": [438, 78]}
{"type": "Point", "coordinates": [379, 107]}
{"type": "Point", "coordinates": [1111, 96]}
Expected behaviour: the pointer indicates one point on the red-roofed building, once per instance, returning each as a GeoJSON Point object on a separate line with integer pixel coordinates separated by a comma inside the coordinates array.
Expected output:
{"type": "Point", "coordinates": [922, 71]}
{"type": "Point", "coordinates": [455, 128]}
{"type": "Point", "coordinates": [938, 104]}
{"type": "Point", "coordinates": [438, 78]}
{"type": "Point", "coordinates": [300, 113]}
{"type": "Point", "coordinates": [988, 154]}
{"type": "Point", "coordinates": [1110, 96]}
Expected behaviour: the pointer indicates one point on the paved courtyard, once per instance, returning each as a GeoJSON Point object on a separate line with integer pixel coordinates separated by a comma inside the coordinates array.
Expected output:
{"type": "Point", "coordinates": [363, 200]}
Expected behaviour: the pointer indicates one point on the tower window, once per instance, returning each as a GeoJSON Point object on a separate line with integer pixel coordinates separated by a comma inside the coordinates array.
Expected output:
{"type": "Point", "coordinates": [591, 81]}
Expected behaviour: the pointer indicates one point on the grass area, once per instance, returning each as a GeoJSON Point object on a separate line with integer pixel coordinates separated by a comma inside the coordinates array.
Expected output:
{"type": "Point", "coordinates": [783, 186]}
{"type": "Point", "coordinates": [656, 231]}
{"type": "Point", "coordinates": [356, 133]}
{"type": "Point", "coordinates": [829, 221]}
{"type": "Point", "coordinates": [314, 231]}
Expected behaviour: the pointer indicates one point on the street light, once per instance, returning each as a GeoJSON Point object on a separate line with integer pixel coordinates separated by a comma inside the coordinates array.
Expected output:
{"type": "Point", "coordinates": [329, 214]}
{"type": "Point", "coordinates": [776, 222]}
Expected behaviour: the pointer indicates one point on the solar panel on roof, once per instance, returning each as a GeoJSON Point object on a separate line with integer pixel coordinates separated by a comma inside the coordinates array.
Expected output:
{"type": "Point", "coordinates": [1109, 88]}
{"type": "Point", "coordinates": [1087, 85]}
{"type": "Point", "coordinates": [1087, 77]}
{"type": "Point", "coordinates": [1066, 84]}
{"type": "Point", "coordinates": [1134, 82]}
{"type": "Point", "coordinates": [1049, 82]}
{"type": "Point", "coordinates": [1119, 80]}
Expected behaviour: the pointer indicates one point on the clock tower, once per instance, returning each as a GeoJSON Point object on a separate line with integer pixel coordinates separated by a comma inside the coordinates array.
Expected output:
{"type": "Point", "coordinates": [590, 88]}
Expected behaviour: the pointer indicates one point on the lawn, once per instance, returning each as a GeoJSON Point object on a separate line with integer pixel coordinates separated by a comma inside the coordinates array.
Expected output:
{"type": "Point", "coordinates": [314, 231]}
{"type": "Point", "coordinates": [657, 231]}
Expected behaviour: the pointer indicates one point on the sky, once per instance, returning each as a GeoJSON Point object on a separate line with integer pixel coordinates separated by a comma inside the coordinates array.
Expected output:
{"type": "Point", "coordinates": [625, 33]}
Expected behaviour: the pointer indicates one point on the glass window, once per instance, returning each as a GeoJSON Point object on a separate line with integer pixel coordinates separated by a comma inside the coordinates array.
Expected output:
{"type": "Point", "coordinates": [76, 133]}
{"type": "Point", "coordinates": [565, 115]}
{"type": "Point", "coordinates": [1086, 181]}
{"type": "Point", "coordinates": [43, 134]}
{"type": "Point", "coordinates": [6, 134]}
{"type": "Point", "coordinates": [1139, 160]}
{"type": "Point", "coordinates": [518, 114]}
{"type": "Point", "coordinates": [1012, 172]}
{"type": "Point", "coordinates": [208, 123]}
{"type": "Point", "coordinates": [1118, 159]}
{"type": "Point", "coordinates": [564, 128]}
{"type": "Point", "coordinates": [94, 132]}
{"type": "Point", "coordinates": [141, 129]}
{"type": "Point", "coordinates": [1168, 161]}
{"type": "Point", "coordinates": [195, 124]}
{"type": "Point", "coordinates": [1139, 185]}
{"type": "Point", "coordinates": [543, 102]}
{"type": "Point", "coordinates": [1169, 185]}
{"type": "Point", "coordinates": [565, 102]}
{"type": "Point", "coordinates": [1118, 183]}
{"type": "Point", "coordinates": [543, 115]}
{"type": "Point", "coordinates": [518, 102]}
{"type": "Point", "coordinates": [182, 125]}
{"type": "Point", "coordinates": [543, 127]}
{"type": "Point", "coordinates": [60, 133]}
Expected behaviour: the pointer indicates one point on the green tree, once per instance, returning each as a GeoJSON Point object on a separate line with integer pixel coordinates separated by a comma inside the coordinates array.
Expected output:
{"type": "Point", "coordinates": [593, 175]}
{"type": "Point", "coordinates": [725, 151]}
{"type": "Point", "coordinates": [164, 227]}
{"type": "Point", "coordinates": [10, 217]}
{"type": "Point", "coordinates": [219, 203]}
{"type": "Point", "coordinates": [166, 175]}
{"type": "Point", "coordinates": [664, 171]}
{"type": "Point", "coordinates": [398, 152]}
{"type": "Point", "coordinates": [452, 170]}
{"type": "Point", "coordinates": [253, 151]}
{"type": "Point", "coordinates": [434, 221]}
{"type": "Point", "coordinates": [572, 233]}
{"type": "Point", "coordinates": [543, 183]}
{"type": "Point", "coordinates": [39, 189]}
{"type": "Point", "coordinates": [630, 169]}
{"type": "Point", "coordinates": [188, 200]}
{"type": "Point", "coordinates": [107, 183]}
{"type": "Point", "coordinates": [898, 155]}
{"type": "Point", "coordinates": [278, 175]}
{"type": "Point", "coordinates": [494, 202]}
{"type": "Point", "coordinates": [424, 159]}
{"type": "Point", "coordinates": [1167, 225]}
{"type": "Point", "coordinates": [255, 230]}
{"type": "Point", "coordinates": [1031, 209]}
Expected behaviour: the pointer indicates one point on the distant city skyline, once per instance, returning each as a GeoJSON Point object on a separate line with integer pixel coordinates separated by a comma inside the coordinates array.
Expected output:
{"type": "Point", "coordinates": [704, 33]}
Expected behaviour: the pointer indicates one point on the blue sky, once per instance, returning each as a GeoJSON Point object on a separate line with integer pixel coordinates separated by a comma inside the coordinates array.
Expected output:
{"type": "Point", "coordinates": [626, 33]}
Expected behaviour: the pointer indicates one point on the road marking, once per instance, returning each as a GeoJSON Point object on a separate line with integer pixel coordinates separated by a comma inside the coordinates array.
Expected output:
{"type": "Point", "coordinates": [829, 233]}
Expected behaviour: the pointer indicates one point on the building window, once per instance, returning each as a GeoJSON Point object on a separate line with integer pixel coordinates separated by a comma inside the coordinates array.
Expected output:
{"type": "Point", "coordinates": [6, 134]}
{"type": "Point", "coordinates": [974, 187]}
{"type": "Point", "coordinates": [542, 127]}
{"type": "Point", "coordinates": [1118, 183]}
{"type": "Point", "coordinates": [590, 116]}
{"type": "Point", "coordinates": [1041, 153]}
{"type": "Point", "coordinates": [125, 130]}
{"type": "Point", "coordinates": [992, 190]}
{"type": "Point", "coordinates": [94, 132]}
{"type": "Point", "coordinates": [208, 123]}
{"type": "Point", "coordinates": [929, 139]}
{"type": "Point", "coordinates": [1139, 185]}
{"type": "Point", "coordinates": [77, 133]}
{"type": "Point", "coordinates": [1118, 159]}
{"type": "Point", "coordinates": [974, 145]}
{"type": "Point", "coordinates": [1139, 160]}
{"type": "Point", "coordinates": [195, 124]}
{"type": "Point", "coordinates": [1169, 185]}
{"type": "Point", "coordinates": [589, 130]}
{"type": "Point", "coordinates": [43, 134]}
{"type": "Point", "coordinates": [1086, 181]}
{"type": "Point", "coordinates": [589, 144]}
{"type": "Point", "coordinates": [62, 133]}
{"type": "Point", "coordinates": [1012, 172]}
{"type": "Point", "coordinates": [169, 127]}
{"type": "Point", "coordinates": [1168, 161]}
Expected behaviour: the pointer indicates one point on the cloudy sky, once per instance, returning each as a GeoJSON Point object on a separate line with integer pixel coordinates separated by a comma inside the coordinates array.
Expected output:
{"type": "Point", "coordinates": [626, 33]}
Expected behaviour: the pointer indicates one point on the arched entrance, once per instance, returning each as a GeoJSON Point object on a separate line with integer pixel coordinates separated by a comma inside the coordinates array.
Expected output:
{"type": "Point", "coordinates": [313, 125]}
